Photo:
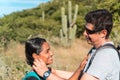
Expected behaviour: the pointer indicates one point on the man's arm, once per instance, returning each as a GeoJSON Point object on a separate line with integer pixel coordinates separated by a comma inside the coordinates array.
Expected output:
{"type": "Point", "coordinates": [88, 77]}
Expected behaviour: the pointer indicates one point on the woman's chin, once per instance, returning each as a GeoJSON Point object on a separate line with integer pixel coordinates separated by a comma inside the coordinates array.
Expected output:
{"type": "Point", "coordinates": [49, 62]}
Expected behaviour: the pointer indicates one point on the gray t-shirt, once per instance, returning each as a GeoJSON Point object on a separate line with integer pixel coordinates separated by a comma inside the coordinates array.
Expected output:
{"type": "Point", "coordinates": [105, 65]}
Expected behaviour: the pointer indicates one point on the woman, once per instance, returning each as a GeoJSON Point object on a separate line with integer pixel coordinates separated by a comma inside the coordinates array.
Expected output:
{"type": "Point", "coordinates": [38, 48]}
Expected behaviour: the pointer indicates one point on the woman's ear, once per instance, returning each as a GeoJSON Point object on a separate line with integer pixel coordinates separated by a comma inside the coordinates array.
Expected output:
{"type": "Point", "coordinates": [35, 56]}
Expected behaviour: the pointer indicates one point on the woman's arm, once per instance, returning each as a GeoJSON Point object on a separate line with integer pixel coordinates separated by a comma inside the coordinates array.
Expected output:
{"type": "Point", "coordinates": [78, 72]}
{"type": "Point", "coordinates": [63, 74]}
{"type": "Point", "coordinates": [40, 67]}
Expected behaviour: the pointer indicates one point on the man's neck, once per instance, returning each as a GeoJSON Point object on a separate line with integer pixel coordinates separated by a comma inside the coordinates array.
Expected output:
{"type": "Point", "coordinates": [102, 42]}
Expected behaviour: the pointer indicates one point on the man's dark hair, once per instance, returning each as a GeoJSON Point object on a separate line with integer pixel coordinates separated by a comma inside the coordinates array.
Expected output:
{"type": "Point", "coordinates": [100, 19]}
{"type": "Point", "coordinates": [33, 45]}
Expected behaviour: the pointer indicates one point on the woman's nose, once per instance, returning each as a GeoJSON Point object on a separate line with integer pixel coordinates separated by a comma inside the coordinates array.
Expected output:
{"type": "Point", "coordinates": [51, 53]}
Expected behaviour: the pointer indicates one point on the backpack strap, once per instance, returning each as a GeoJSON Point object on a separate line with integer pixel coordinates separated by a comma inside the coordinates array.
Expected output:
{"type": "Point", "coordinates": [32, 75]}
{"type": "Point", "coordinates": [112, 46]}
{"type": "Point", "coordinates": [85, 59]}
{"type": "Point", "coordinates": [103, 47]}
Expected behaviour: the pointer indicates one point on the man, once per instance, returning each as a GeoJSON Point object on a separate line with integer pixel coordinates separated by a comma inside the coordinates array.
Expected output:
{"type": "Point", "coordinates": [102, 64]}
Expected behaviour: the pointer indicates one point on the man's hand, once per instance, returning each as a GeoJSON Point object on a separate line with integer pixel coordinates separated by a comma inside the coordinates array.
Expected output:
{"type": "Point", "coordinates": [40, 67]}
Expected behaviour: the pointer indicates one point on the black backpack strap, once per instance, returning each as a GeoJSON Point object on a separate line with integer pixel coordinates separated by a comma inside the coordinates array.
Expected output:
{"type": "Point", "coordinates": [103, 47]}
{"type": "Point", "coordinates": [112, 46]}
{"type": "Point", "coordinates": [81, 73]}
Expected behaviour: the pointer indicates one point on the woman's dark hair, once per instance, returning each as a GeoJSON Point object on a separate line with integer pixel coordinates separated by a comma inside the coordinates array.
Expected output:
{"type": "Point", "coordinates": [100, 19]}
{"type": "Point", "coordinates": [33, 45]}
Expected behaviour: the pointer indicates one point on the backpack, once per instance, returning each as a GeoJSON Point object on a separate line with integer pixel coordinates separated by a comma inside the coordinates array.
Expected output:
{"type": "Point", "coordinates": [102, 47]}
{"type": "Point", "coordinates": [32, 75]}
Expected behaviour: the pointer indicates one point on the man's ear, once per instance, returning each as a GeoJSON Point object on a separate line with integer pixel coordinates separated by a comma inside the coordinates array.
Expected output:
{"type": "Point", "coordinates": [35, 56]}
{"type": "Point", "coordinates": [103, 33]}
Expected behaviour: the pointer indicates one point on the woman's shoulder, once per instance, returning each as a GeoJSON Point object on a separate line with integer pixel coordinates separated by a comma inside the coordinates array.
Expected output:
{"type": "Point", "coordinates": [32, 75]}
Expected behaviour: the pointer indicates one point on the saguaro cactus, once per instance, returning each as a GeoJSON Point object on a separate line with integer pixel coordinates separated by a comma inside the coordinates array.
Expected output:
{"type": "Point", "coordinates": [43, 12]}
{"type": "Point", "coordinates": [68, 31]}
{"type": "Point", "coordinates": [43, 15]}
{"type": "Point", "coordinates": [42, 18]}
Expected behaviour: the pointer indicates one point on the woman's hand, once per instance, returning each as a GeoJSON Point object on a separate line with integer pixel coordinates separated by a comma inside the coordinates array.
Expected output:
{"type": "Point", "coordinates": [39, 66]}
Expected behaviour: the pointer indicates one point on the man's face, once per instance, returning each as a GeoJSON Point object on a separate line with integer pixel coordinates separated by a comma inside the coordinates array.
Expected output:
{"type": "Point", "coordinates": [91, 36]}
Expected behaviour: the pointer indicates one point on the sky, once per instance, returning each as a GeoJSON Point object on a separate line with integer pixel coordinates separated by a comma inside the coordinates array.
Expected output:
{"type": "Point", "coordinates": [9, 6]}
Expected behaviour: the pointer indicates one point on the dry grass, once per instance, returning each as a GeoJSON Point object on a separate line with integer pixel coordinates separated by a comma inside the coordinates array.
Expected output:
{"type": "Point", "coordinates": [69, 58]}
{"type": "Point", "coordinates": [15, 49]}
{"type": "Point", "coordinates": [64, 58]}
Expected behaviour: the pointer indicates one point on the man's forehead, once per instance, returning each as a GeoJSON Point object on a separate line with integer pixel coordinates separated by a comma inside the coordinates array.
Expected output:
{"type": "Point", "coordinates": [89, 26]}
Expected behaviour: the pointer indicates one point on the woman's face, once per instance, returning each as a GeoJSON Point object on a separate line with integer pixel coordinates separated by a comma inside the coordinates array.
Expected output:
{"type": "Point", "coordinates": [45, 54]}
